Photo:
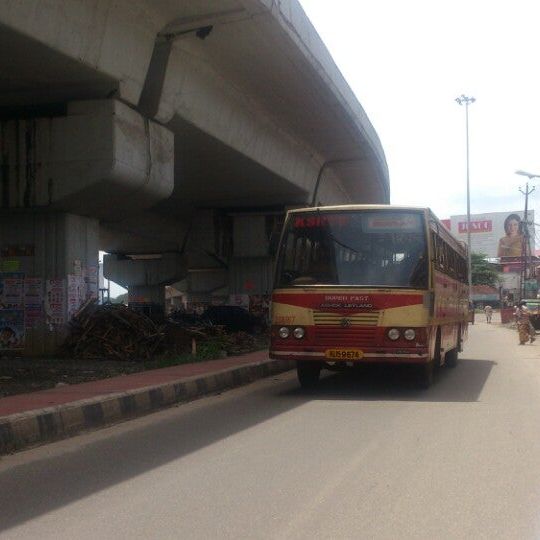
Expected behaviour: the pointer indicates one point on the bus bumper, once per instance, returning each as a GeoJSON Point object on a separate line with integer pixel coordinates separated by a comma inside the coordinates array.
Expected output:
{"type": "Point", "coordinates": [418, 356]}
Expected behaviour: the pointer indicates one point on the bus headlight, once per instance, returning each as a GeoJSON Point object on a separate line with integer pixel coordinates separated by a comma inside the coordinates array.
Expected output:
{"type": "Point", "coordinates": [409, 334]}
{"type": "Point", "coordinates": [393, 334]}
{"type": "Point", "coordinates": [299, 332]}
{"type": "Point", "coordinates": [284, 332]}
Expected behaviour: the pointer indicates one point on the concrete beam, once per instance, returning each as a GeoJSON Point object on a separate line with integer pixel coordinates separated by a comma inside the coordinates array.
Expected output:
{"type": "Point", "coordinates": [112, 38]}
{"type": "Point", "coordinates": [127, 272]}
{"type": "Point", "coordinates": [101, 159]}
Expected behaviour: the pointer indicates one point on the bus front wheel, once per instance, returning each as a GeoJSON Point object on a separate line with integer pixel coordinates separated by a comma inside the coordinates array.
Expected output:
{"type": "Point", "coordinates": [426, 374]}
{"type": "Point", "coordinates": [308, 373]}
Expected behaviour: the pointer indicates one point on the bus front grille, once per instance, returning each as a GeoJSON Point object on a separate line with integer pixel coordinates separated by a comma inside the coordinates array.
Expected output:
{"type": "Point", "coordinates": [332, 336]}
{"type": "Point", "coordinates": [345, 321]}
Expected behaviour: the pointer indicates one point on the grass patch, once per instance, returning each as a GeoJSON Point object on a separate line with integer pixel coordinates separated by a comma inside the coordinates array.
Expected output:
{"type": "Point", "coordinates": [205, 351]}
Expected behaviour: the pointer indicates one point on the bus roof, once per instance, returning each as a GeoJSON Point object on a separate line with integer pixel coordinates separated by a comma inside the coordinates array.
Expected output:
{"type": "Point", "coordinates": [358, 207]}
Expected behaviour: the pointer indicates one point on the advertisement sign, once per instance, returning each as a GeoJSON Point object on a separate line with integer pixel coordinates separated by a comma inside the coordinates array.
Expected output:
{"type": "Point", "coordinates": [496, 234]}
{"type": "Point", "coordinates": [11, 329]}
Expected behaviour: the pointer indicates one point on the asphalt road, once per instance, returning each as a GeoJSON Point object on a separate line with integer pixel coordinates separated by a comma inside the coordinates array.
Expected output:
{"type": "Point", "coordinates": [371, 458]}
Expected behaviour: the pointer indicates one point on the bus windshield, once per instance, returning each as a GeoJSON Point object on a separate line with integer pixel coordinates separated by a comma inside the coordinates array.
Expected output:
{"type": "Point", "coordinates": [357, 248]}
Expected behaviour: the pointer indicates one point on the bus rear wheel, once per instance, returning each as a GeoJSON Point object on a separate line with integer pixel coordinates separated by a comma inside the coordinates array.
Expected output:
{"type": "Point", "coordinates": [451, 358]}
{"type": "Point", "coordinates": [308, 373]}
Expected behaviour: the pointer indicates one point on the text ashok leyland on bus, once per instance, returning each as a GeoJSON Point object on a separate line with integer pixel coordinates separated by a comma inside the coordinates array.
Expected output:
{"type": "Point", "coordinates": [333, 301]}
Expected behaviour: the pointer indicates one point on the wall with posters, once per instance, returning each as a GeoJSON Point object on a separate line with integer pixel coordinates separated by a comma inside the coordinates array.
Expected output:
{"type": "Point", "coordinates": [497, 234]}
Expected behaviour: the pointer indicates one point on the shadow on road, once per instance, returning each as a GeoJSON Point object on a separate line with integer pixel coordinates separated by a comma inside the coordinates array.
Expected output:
{"type": "Point", "coordinates": [45, 484]}
{"type": "Point", "coordinates": [399, 383]}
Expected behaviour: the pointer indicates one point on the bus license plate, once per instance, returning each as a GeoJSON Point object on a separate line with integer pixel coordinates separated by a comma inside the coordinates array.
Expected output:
{"type": "Point", "coordinates": [344, 354]}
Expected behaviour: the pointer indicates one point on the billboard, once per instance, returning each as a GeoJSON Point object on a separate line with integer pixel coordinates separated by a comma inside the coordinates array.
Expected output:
{"type": "Point", "coordinates": [497, 234]}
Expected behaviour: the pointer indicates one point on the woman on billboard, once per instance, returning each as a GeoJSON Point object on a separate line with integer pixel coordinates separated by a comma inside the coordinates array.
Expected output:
{"type": "Point", "coordinates": [511, 244]}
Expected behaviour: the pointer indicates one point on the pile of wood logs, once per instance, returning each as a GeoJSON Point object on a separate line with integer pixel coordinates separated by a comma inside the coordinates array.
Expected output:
{"type": "Point", "coordinates": [113, 332]}
{"type": "Point", "coordinates": [116, 332]}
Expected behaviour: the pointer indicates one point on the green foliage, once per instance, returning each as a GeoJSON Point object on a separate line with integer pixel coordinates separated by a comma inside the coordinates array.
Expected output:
{"type": "Point", "coordinates": [212, 347]}
{"type": "Point", "coordinates": [206, 350]}
{"type": "Point", "coordinates": [483, 272]}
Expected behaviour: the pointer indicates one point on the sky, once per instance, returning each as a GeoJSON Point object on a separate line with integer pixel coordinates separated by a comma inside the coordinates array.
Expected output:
{"type": "Point", "coordinates": [406, 62]}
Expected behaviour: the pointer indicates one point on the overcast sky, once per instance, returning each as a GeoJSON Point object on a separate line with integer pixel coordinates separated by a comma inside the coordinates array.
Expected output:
{"type": "Point", "coordinates": [408, 61]}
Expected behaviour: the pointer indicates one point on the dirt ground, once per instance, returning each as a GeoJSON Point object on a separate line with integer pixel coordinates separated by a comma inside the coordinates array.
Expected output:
{"type": "Point", "coordinates": [23, 375]}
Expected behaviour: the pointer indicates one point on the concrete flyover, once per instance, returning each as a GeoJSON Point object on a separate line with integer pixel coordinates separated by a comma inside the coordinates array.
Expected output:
{"type": "Point", "coordinates": [172, 135]}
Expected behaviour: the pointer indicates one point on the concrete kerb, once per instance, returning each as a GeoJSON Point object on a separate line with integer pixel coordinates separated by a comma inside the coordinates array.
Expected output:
{"type": "Point", "coordinates": [33, 428]}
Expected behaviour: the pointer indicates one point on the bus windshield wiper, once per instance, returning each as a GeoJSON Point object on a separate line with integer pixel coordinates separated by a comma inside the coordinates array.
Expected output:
{"type": "Point", "coordinates": [334, 239]}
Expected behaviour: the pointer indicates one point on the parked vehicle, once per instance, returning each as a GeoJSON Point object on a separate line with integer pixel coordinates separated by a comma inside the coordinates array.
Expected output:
{"type": "Point", "coordinates": [534, 312]}
{"type": "Point", "coordinates": [234, 319]}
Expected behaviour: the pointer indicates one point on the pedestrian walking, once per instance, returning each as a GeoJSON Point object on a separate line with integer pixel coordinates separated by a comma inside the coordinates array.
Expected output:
{"type": "Point", "coordinates": [488, 310]}
{"type": "Point", "coordinates": [524, 324]}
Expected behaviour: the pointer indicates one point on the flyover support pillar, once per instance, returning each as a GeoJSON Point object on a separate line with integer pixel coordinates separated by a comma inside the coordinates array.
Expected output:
{"type": "Point", "coordinates": [49, 268]}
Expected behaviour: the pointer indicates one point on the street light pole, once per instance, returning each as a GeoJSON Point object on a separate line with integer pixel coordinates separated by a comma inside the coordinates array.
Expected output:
{"type": "Point", "coordinates": [466, 100]}
{"type": "Point", "coordinates": [525, 245]}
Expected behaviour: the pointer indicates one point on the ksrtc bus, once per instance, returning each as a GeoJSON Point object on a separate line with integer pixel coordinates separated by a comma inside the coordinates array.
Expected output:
{"type": "Point", "coordinates": [368, 283]}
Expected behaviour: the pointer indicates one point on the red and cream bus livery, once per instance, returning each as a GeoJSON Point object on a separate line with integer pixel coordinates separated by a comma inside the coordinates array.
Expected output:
{"type": "Point", "coordinates": [368, 283]}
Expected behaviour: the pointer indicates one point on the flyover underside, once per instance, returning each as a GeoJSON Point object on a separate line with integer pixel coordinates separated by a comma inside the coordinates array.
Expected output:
{"type": "Point", "coordinates": [119, 120]}
{"type": "Point", "coordinates": [211, 174]}
{"type": "Point", "coordinates": [34, 76]}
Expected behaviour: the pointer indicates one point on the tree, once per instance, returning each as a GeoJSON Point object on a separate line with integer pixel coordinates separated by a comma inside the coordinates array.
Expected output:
{"type": "Point", "coordinates": [483, 272]}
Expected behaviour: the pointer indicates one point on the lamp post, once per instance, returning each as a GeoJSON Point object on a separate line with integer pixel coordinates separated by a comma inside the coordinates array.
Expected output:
{"type": "Point", "coordinates": [525, 246]}
{"type": "Point", "coordinates": [466, 100]}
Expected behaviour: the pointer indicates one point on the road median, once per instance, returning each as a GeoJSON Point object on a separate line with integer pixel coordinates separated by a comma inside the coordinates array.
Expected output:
{"type": "Point", "coordinates": [34, 426]}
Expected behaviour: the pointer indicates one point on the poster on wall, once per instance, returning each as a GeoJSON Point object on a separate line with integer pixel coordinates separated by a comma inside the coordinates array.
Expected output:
{"type": "Point", "coordinates": [72, 296]}
{"type": "Point", "coordinates": [76, 294]}
{"type": "Point", "coordinates": [55, 301]}
{"type": "Point", "coordinates": [77, 267]}
{"type": "Point", "coordinates": [12, 289]}
{"type": "Point", "coordinates": [11, 329]}
{"type": "Point", "coordinates": [33, 302]}
{"type": "Point", "coordinates": [18, 250]}
{"type": "Point", "coordinates": [92, 282]}
{"type": "Point", "coordinates": [10, 265]}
